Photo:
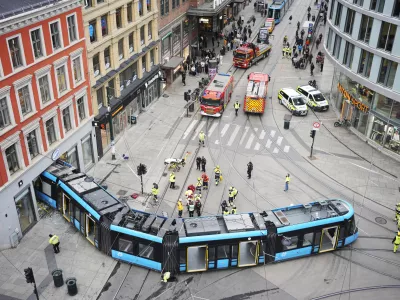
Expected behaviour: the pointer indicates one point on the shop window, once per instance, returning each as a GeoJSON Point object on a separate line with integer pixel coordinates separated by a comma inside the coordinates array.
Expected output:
{"type": "Point", "coordinates": [377, 5]}
{"type": "Point", "coordinates": [395, 114]}
{"type": "Point", "coordinates": [289, 242]}
{"type": "Point", "coordinates": [87, 150]}
{"type": "Point", "coordinates": [107, 59]}
{"type": "Point", "coordinates": [387, 72]}
{"type": "Point", "coordinates": [330, 12]}
{"type": "Point", "coordinates": [348, 54]}
{"type": "Point", "coordinates": [365, 63]}
{"type": "Point", "coordinates": [223, 252]}
{"type": "Point", "coordinates": [146, 251]}
{"type": "Point", "coordinates": [129, 12]}
{"type": "Point", "coordinates": [96, 65]}
{"type": "Point", "coordinates": [336, 46]}
{"type": "Point", "coordinates": [100, 97]}
{"type": "Point", "coordinates": [386, 36]}
{"type": "Point", "coordinates": [66, 208]}
{"type": "Point", "coordinates": [329, 39]}
{"type": "Point", "coordinates": [396, 9]}
{"type": "Point", "coordinates": [90, 229]}
{"type": "Point", "coordinates": [118, 17]}
{"type": "Point", "coordinates": [104, 25]}
{"type": "Point", "coordinates": [338, 13]}
{"type": "Point", "coordinates": [211, 253]}
{"type": "Point", "coordinates": [92, 31]}
{"type": "Point", "coordinates": [24, 206]}
{"type": "Point", "coordinates": [382, 105]}
{"type": "Point", "coordinates": [348, 27]}
{"type": "Point", "coordinates": [365, 30]}
{"type": "Point", "coordinates": [125, 246]}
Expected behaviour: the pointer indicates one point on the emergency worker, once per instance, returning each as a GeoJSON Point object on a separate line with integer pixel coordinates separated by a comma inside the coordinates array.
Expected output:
{"type": "Point", "coordinates": [203, 164]}
{"type": "Point", "coordinates": [218, 174]}
{"type": "Point", "coordinates": [234, 210]}
{"type": "Point", "coordinates": [180, 208]}
{"type": "Point", "coordinates": [189, 194]}
{"type": "Point", "coordinates": [172, 180]}
{"type": "Point", "coordinates": [205, 181]}
{"type": "Point", "coordinates": [202, 137]}
{"type": "Point", "coordinates": [198, 162]}
{"type": "Point", "coordinates": [224, 205]}
{"type": "Point", "coordinates": [397, 216]}
{"type": "Point", "coordinates": [231, 196]}
{"type": "Point", "coordinates": [236, 105]}
{"type": "Point", "coordinates": [197, 205]}
{"type": "Point", "coordinates": [287, 180]}
{"type": "Point", "coordinates": [191, 208]}
{"type": "Point", "coordinates": [199, 184]}
{"type": "Point", "coordinates": [235, 192]}
{"type": "Point", "coordinates": [55, 241]}
{"type": "Point", "coordinates": [166, 276]}
{"type": "Point", "coordinates": [396, 242]}
{"type": "Point", "coordinates": [154, 192]}
{"type": "Point", "coordinates": [226, 212]}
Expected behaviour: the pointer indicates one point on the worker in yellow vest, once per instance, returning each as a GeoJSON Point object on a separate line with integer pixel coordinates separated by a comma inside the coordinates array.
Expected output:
{"type": "Point", "coordinates": [202, 137]}
{"type": "Point", "coordinates": [396, 242]}
{"type": "Point", "coordinates": [55, 241]}
{"type": "Point", "coordinates": [180, 208]}
{"type": "Point", "coordinates": [236, 105]}
{"type": "Point", "coordinates": [287, 180]}
{"type": "Point", "coordinates": [172, 180]}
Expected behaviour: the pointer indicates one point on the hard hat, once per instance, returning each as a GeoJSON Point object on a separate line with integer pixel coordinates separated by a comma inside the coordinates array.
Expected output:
{"type": "Point", "coordinates": [226, 209]}
{"type": "Point", "coordinates": [198, 178]}
{"type": "Point", "coordinates": [195, 195]}
{"type": "Point", "coordinates": [179, 200]}
{"type": "Point", "coordinates": [230, 188]}
{"type": "Point", "coordinates": [398, 233]}
{"type": "Point", "coordinates": [234, 206]}
{"type": "Point", "coordinates": [217, 167]}
{"type": "Point", "coordinates": [201, 131]}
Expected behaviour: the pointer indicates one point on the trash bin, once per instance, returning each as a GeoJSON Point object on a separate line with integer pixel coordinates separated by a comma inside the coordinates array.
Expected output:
{"type": "Point", "coordinates": [57, 277]}
{"type": "Point", "coordinates": [71, 286]}
{"type": "Point", "coordinates": [133, 119]}
{"type": "Point", "coordinates": [286, 120]}
{"type": "Point", "coordinates": [191, 107]}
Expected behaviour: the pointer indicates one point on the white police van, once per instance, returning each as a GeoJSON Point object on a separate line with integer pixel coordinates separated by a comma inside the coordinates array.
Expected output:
{"type": "Point", "coordinates": [294, 101]}
{"type": "Point", "coordinates": [314, 98]}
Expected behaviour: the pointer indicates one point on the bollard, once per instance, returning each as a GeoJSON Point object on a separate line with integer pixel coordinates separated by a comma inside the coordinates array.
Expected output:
{"type": "Point", "coordinates": [286, 123]}
{"type": "Point", "coordinates": [71, 286]}
{"type": "Point", "coordinates": [57, 277]}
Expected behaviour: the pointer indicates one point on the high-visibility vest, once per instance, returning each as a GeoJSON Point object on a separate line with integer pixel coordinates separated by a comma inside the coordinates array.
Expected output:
{"type": "Point", "coordinates": [397, 240]}
{"type": "Point", "coordinates": [54, 240]}
{"type": "Point", "coordinates": [172, 177]}
{"type": "Point", "coordinates": [287, 179]}
{"type": "Point", "coordinates": [217, 171]}
{"type": "Point", "coordinates": [202, 136]}
{"type": "Point", "coordinates": [188, 193]}
{"type": "Point", "coordinates": [199, 183]}
{"type": "Point", "coordinates": [233, 211]}
{"type": "Point", "coordinates": [154, 191]}
{"type": "Point", "coordinates": [236, 105]}
{"type": "Point", "coordinates": [180, 206]}
{"type": "Point", "coordinates": [231, 194]}
{"type": "Point", "coordinates": [235, 191]}
{"type": "Point", "coordinates": [166, 276]}
{"type": "Point", "coordinates": [226, 212]}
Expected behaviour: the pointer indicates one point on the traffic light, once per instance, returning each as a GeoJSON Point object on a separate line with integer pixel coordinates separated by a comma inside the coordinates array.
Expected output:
{"type": "Point", "coordinates": [141, 169]}
{"type": "Point", "coordinates": [312, 133]}
{"type": "Point", "coordinates": [29, 275]}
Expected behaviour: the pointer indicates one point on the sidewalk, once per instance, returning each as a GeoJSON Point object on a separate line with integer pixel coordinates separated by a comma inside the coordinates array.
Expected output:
{"type": "Point", "coordinates": [77, 258]}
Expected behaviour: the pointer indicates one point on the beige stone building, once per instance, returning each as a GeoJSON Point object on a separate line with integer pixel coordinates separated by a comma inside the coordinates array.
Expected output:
{"type": "Point", "coordinates": [122, 44]}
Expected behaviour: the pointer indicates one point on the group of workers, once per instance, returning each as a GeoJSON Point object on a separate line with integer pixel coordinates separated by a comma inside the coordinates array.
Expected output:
{"type": "Point", "coordinates": [396, 239]}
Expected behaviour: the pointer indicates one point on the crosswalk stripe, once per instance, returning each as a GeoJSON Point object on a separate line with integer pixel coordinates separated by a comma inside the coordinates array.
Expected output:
{"type": "Point", "coordinates": [189, 129]}
{"type": "Point", "coordinates": [224, 130]}
{"type": "Point", "coordinates": [250, 141]}
{"type": "Point", "coordinates": [279, 141]}
{"type": "Point", "coordinates": [244, 135]}
{"type": "Point", "coordinates": [272, 133]}
{"type": "Point", "coordinates": [268, 145]}
{"type": "Point", "coordinates": [233, 135]}
{"type": "Point", "coordinates": [196, 134]}
{"type": "Point", "coordinates": [262, 135]}
{"type": "Point", "coordinates": [276, 150]}
{"type": "Point", "coordinates": [286, 149]}
{"type": "Point", "coordinates": [257, 147]}
{"type": "Point", "coordinates": [213, 126]}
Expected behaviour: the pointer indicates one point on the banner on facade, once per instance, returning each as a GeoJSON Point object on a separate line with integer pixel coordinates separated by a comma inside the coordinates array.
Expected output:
{"type": "Point", "coordinates": [361, 106]}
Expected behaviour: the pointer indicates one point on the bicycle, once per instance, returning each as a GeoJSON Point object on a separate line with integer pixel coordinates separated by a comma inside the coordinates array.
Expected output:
{"type": "Point", "coordinates": [343, 122]}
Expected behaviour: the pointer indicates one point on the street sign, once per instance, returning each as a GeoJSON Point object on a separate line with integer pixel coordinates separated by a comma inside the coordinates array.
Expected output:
{"type": "Point", "coordinates": [316, 125]}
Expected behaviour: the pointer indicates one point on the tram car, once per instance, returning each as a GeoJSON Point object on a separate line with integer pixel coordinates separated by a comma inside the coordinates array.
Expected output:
{"type": "Point", "coordinates": [195, 244]}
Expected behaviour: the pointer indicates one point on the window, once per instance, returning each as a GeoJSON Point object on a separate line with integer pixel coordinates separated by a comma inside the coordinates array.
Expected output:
{"type": "Point", "coordinates": [365, 30]}
{"type": "Point", "coordinates": [96, 65]}
{"type": "Point", "coordinates": [44, 88]}
{"type": "Point", "coordinates": [89, 3]}
{"type": "Point", "coordinates": [142, 35]}
{"type": "Point", "coordinates": [348, 26]}
{"type": "Point", "coordinates": [336, 46]}
{"type": "Point", "coordinates": [377, 5]}
{"type": "Point", "coordinates": [107, 60]}
{"type": "Point", "coordinates": [289, 243]}
{"type": "Point", "coordinates": [77, 69]}
{"type": "Point", "coordinates": [33, 146]}
{"type": "Point", "coordinates": [104, 25]}
{"type": "Point", "coordinates": [386, 37]}
{"type": "Point", "coordinates": [150, 30]}
{"type": "Point", "coordinates": [338, 13]}
{"type": "Point", "coordinates": [365, 63]}
{"type": "Point", "coordinates": [15, 51]}
{"type": "Point", "coordinates": [92, 31]}
{"type": "Point", "coordinates": [173, 4]}
{"type": "Point", "coordinates": [331, 10]}
{"type": "Point", "coordinates": [24, 98]}
{"type": "Point", "coordinates": [146, 251]}
{"type": "Point", "coordinates": [110, 89]}
{"type": "Point", "coordinates": [100, 97]}
{"type": "Point", "coordinates": [358, 2]}
{"type": "Point", "coordinates": [87, 150]}
{"type": "Point", "coordinates": [166, 7]}
{"type": "Point", "coordinates": [131, 42]}
{"type": "Point", "coordinates": [140, 4]}
{"type": "Point", "coordinates": [61, 79]}
{"type": "Point", "coordinates": [5, 119]}
{"type": "Point", "coordinates": [152, 57]}
{"type": "Point", "coordinates": [396, 9]}
{"type": "Point", "coordinates": [121, 48]}
{"type": "Point", "coordinates": [328, 40]}
{"type": "Point", "coordinates": [51, 131]}
{"type": "Point", "coordinates": [223, 252]}
{"type": "Point", "coordinates": [81, 108]}
{"type": "Point", "coordinates": [129, 12]}
{"type": "Point", "coordinates": [12, 159]}
{"type": "Point", "coordinates": [162, 7]}
{"type": "Point", "coordinates": [55, 35]}
{"type": "Point", "coordinates": [144, 63]}
{"type": "Point", "coordinates": [348, 54]}
{"type": "Point", "coordinates": [387, 72]}
{"type": "Point", "coordinates": [125, 246]}
{"type": "Point", "coordinates": [72, 28]}
{"type": "Point", "coordinates": [67, 119]}
{"type": "Point", "coordinates": [36, 38]}
{"type": "Point", "coordinates": [148, 5]}
{"type": "Point", "coordinates": [308, 239]}
{"type": "Point", "coordinates": [118, 18]}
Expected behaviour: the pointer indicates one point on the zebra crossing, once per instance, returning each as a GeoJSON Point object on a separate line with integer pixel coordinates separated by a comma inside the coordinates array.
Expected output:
{"type": "Point", "coordinates": [252, 140]}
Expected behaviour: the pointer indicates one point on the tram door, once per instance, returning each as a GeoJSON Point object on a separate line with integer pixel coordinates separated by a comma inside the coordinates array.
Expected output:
{"type": "Point", "coordinates": [248, 253]}
{"type": "Point", "coordinates": [197, 258]}
{"type": "Point", "coordinates": [329, 237]}
{"type": "Point", "coordinates": [66, 207]}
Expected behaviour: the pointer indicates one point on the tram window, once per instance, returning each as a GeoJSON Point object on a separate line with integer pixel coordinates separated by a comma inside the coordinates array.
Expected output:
{"type": "Point", "coordinates": [308, 239]}
{"type": "Point", "coordinates": [146, 251]}
{"type": "Point", "coordinates": [182, 256]}
{"type": "Point", "coordinates": [83, 222]}
{"type": "Point", "coordinates": [223, 252]}
{"type": "Point", "coordinates": [90, 229]}
{"type": "Point", "coordinates": [352, 226]}
{"type": "Point", "coordinates": [289, 243]}
{"type": "Point", "coordinates": [317, 238]}
{"type": "Point", "coordinates": [341, 232]}
{"type": "Point", "coordinates": [235, 251]}
{"type": "Point", "coordinates": [211, 253]}
{"type": "Point", "coordinates": [277, 14]}
{"type": "Point", "coordinates": [67, 207]}
{"type": "Point", "coordinates": [77, 213]}
{"type": "Point", "coordinates": [125, 246]}
{"type": "Point", "coordinates": [46, 188]}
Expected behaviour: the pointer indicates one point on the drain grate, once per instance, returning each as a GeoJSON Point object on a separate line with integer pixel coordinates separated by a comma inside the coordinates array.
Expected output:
{"type": "Point", "coordinates": [380, 220]}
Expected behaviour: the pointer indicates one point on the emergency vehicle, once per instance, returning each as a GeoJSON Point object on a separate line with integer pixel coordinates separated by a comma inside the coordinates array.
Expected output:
{"type": "Point", "coordinates": [249, 53]}
{"type": "Point", "coordinates": [217, 95]}
{"type": "Point", "coordinates": [270, 24]}
{"type": "Point", "coordinates": [256, 93]}
{"type": "Point", "coordinates": [314, 98]}
{"type": "Point", "coordinates": [294, 101]}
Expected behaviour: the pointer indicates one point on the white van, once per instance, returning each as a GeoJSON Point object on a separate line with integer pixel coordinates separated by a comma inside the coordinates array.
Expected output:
{"type": "Point", "coordinates": [314, 98]}
{"type": "Point", "coordinates": [294, 101]}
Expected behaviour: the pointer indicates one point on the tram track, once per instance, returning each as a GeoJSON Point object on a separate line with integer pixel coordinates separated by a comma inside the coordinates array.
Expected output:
{"type": "Point", "coordinates": [362, 289]}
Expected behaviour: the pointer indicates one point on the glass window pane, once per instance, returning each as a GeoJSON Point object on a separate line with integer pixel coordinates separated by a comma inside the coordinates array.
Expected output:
{"type": "Point", "coordinates": [32, 144]}
{"type": "Point", "coordinates": [382, 104]}
{"type": "Point", "coordinates": [24, 100]}
{"type": "Point", "coordinates": [125, 246]}
{"type": "Point", "coordinates": [223, 252]}
{"type": "Point", "coordinates": [15, 52]}
{"type": "Point", "coordinates": [87, 150]}
{"type": "Point", "coordinates": [4, 113]}
{"type": "Point", "coordinates": [146, 251]}
{"type": "Point", "coordinates": [25, 212]}
{"type": "Point", "coordinates": [12, 159]}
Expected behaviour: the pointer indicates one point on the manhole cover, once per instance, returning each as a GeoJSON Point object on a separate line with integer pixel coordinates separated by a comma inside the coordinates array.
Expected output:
{"type": "Point", "coordinates": [380, 220]}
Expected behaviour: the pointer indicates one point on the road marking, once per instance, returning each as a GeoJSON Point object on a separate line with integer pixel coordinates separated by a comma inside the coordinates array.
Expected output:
{"type": "Point", "coordinates": [196, 134]}
{"type": "Point", "coordinates": [268, 145]}
{"type": "Point", "coordinates": [217, 142]}
{"type": "Point", "coordinates": [189, 129]}
{"type": "Point", "coordinates": [262, 135]}
{"type": "Point", "coordinates": [244, 134]}
{"type": "Point", "coordinates": [250, 141]}
{"type": "Point", "coordinates": [224, 130]}
{"type": "Point", "coordinates": [233, 136]}
{"type": "Point", "coordinates": [213, 126]}
{"type": "Point", "coordinates": [276, 150]}
{"type": "Point", "coordinates": [363, 230]}
{"type": "Point", "coordinates": [286, 149]}
{"type": "Point", "coordinates": [272, 134]}
{"type": "Point", "coordinates": [279, 141]}
{"type": "Point", "coordinates": [257, 147]}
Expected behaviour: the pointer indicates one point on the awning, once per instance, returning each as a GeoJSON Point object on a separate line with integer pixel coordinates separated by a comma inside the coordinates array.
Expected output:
{"type": "Point", "coordinates": [207, 9]}
{"type": "Point", "coordinates": [238, 1]}
{"type": "Point", "coordinates": [173, 62]}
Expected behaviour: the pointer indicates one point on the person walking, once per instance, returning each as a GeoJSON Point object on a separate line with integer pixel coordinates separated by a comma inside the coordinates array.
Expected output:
{"type": "Point", "coordinates": [235, 193]}
{"type": "Point", "coordinates": [312, 69]}
{"type": "Point", "coordinates": [290, 20]}
{"type": "Point", "coordinates": [184, 77]}
{"type": "Point", "coordinates": [236, 105]}
{"type": "Point", "coordinates": [212, 41]}
{"type": "Point", "coordinates": [55, 241]}
{"type": "Point", "coordinates": [226, 211]}
{"type": "Point", "coordinates": [197, 206]}
{"type": "Point", "coordinates": [231, 196]}
{"type": "Point", "coordinates": [287, 180]}
{"type": "Point", "coordinates": [203, 164]}
{"type": "Point", "coordinates": [325, 18]}
{"type": "Point", "coordinates": [249, 169]}
{"type": "Point", "coordinates": [308, 16]}
{"type": "Point", "coordinates": [172, 180]}
{"type": "Point", "coordinates": [180, 208]}
{"type": "Point", "coordinates": [198, 162]}
{"type": "Point", "coordinates": [206, 179]}
{"type": "Point", "coordinates": [154, 192]}
{"type": "Point", "coordinates": [191, 208]}
{"type": "Point", "coordinates": [310, 57]}
{"type": "Point", "coordinates": [322, 66]}
{"type": "Point", "coordinates": [396, 242]}
{"type": "Point", "coordinates": [250, 32]}
{"type": "Point", "coordinates": [202, 137]}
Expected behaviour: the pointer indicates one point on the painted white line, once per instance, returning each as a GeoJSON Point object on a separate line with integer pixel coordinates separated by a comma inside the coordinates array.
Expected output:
{"type": "Point", "coordinates": [216, 142]}
{"type": "Point", "coordinates": [244, 135]}
{"type": "Point", "coordinates": [276, 150]}
{"type": "Point", "coordinates": [279, 141]}
{"type": "Point", "coordinates": [196, 134]}
{"type": "Point", "coordinates": [268, 145]}
{"type": "Point", "coordinates": [189, 129]}
{"type": "Point", "coordinates": [233, 136]}
{"type": "Point", "coordinates": [250, 141]}
{"type": "Point", "coordinates": [272, 134]}
{"type": "Point", "coordinates": [363, 230]}
{"type": "Point", "coordinates": [257, 147]}
{"type": "Point", "coordinates": [213, 126]}
{"type": "Point", "coordinates": [286, 149]}
{"type": "Point", "coordinates": [224, 130]}
{"type": "Point", "coordinates": [262, 135]}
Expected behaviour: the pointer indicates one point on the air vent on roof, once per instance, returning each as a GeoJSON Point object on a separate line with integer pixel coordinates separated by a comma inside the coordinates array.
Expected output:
{"type": "Point", "coordinates": [282, 218]}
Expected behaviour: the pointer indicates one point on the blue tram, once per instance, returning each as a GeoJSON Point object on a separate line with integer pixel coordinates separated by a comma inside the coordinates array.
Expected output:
{"type": "Point", "coordinates": [278, 9]}
{"type": "Point", "coordinates": [195, 244]}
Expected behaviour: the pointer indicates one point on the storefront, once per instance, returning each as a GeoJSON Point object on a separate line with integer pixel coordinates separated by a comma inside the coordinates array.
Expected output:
{"type": "Point", "coordinates": [172, 69]}
{"type": "Point", "coordinates": [25, 210]}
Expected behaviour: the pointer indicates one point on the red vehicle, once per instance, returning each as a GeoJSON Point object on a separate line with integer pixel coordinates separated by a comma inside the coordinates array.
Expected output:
{"type": "Point", "coordinates": [256, 93]}
{"type": "Point", "coordinates": [217, 95]}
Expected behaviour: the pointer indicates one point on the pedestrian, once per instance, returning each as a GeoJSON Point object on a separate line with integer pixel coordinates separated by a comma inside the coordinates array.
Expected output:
{"type": "Point", "coordinates": [226, 211]}
{"type": "Point", "coordinates": [55, 241]}
{"type": "Point", "coordinates": [298, 26]}
{"type": "Point", "coordinates": [154, 192]}
{"type": "Point", "coordinates": [180, 208]}
{"type": "Point", "coordinates": [205, 179]}
{"type": "Point", "coordinates": [172, 180]}
{"type": "Point", "coordinates": [224, 205]}
{"type": "Point", "coordinates": [198, 162]}
{"type": "Point", "coordinates": [228, 46]}
{"type": "Point", "coordinates": [312, 69]}
{"type": "Point", "coordinates": [308, 16]}
{"type": "Point", "coordinates": [235, 193]}
{"type": "Point", "coordinates": [203, 164]}
{"type": "Point", "coordinates": [254, 21]}
{"type": "Point", "coordinates": [236, 106]}
{"type": "Point", "coordinates": [191, 208]}
{"type": "Point", "coordinates": [202, 137]}
{"type": "Point", "coordinates": [212, 41]}
{"type": "Point", "coordinates": [290, 20]}
{"type": "Point", "coordinates": [287, 180]}
{"type": "Point", "coordinates": [234, 210]}
{"type": "Point", "coordinates": [250, 32]}
{"type": "Point", "coordinates": [249, 169]}
{"type": "Point", "coordinates": [309, 9]}
{"type": "Point", "coordinates": [322, 66]}
{"type": "Point", "coordinates": [231, 196]}
{"type": "Point", "coordinates": [184, 77]}
{"type": "Point", "coordinates": [397, 213]}
{"type": "Point", "coordinates": [310, 57]}
{"type": "Point", "coordinates": [324, 18]}
{"type": "Point", "coordinates": [396, 242]}
{"type": "Point", "coordinates": [283, 51]}
{"type": "Point", "coordinates": [197, 206]}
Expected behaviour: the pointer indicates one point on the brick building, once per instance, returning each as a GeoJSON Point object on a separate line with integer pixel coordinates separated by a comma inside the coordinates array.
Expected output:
{"type": "Point", "coordinates": [45, 108]}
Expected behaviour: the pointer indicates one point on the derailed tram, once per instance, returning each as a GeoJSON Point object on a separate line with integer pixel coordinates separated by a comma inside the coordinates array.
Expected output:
{"type": "Point", "coordinates": [194, 244]}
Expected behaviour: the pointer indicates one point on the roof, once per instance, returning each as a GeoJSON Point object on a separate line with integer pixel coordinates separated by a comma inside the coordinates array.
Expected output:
{"type": "Point", "coordinates": [16, 7]}
{"type": "Point", "coordinates": [291, 92]}
{"type": "Point", "coordinates": [218, 84]}
{"type": "Point", "coordinates": [173, 62]}
{"type": "Point", "coordinates": [257, 84]}
{"type": "Point", "coordinates": [308, 88]}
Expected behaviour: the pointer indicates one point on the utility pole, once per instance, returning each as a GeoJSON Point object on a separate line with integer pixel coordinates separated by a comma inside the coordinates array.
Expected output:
{"type": "Point", "coordinates": [312, 135]}
{"type": "Point", "coordinates": [110, 124]}
{"type": "Point", "coordinates": [31, 279]}
{"type": "Point", "coordinates": [141, 170]}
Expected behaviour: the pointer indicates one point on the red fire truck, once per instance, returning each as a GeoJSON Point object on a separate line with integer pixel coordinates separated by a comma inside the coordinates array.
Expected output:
{"type": "Point", "coordinates": [254, 101]}
{"type": "Point", "coordinates": [217, 95]}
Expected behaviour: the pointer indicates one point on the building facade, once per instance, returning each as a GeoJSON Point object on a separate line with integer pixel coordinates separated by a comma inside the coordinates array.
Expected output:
{"type": "Point", "coordinates": [122, 42]}
{"type": "Point", "coordinates": [363, 42]}
{"type": "Point", "coordinates": [45, 108]}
